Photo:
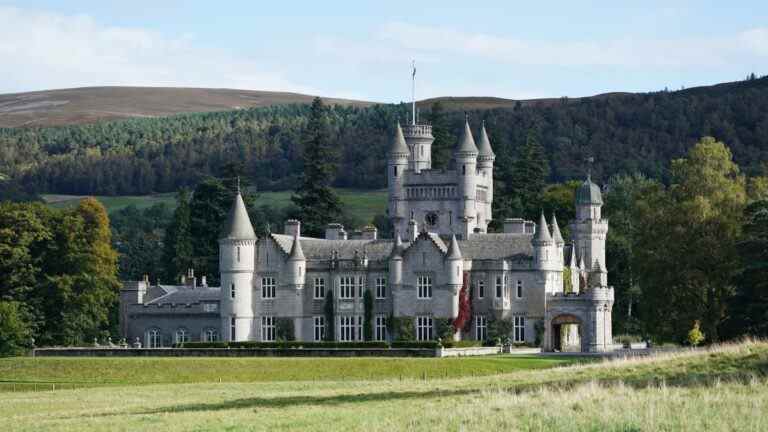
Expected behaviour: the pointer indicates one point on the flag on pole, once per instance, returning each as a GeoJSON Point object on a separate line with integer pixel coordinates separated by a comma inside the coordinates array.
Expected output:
{"type": "Point", "coordinates": [413, 67]}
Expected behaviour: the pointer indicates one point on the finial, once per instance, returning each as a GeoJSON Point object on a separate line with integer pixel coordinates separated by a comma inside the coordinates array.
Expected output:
{"type": "Point", "coordinates": [237, 179]}
{"type": "Point", "coordinates": [590, 161]}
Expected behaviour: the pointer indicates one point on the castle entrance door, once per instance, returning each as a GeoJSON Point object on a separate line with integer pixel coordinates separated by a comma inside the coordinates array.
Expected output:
{"type": "Point", "coordinates": [566, 333]}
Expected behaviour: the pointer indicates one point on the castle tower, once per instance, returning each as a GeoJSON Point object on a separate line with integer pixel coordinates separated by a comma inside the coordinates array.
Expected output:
{"type": "Point", "coordinates": [455, 268]}
{"type": "Point", "coordinates": [465, 155]}
{"type": "Point", "coordinates": [558, 239]}
{"type": "Point", "coordinates": [485, 160]}
{"type": "Point", "coordinates": [419, 141]}
{"type": "Point", "coordinates": [236, 264]}
{"type": "Point", "coordinates": [589, 230]}
{"type": "Point", "coordinates": [397, 164]}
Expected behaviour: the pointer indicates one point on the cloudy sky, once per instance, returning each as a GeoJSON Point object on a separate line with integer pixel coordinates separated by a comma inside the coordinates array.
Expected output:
{"type": "Point", "coordinates": [351, 49]}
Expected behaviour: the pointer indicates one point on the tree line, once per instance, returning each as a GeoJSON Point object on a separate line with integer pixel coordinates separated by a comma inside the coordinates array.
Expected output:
{"type": "Point", "coordinates": [623, 132]}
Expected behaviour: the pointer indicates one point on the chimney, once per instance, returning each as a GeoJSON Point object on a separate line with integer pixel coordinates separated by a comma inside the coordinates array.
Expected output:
{"type": "Point", "coordinates": [413, 230]}
{"type": "Point", "coordinates": [335, 231]}
{"type": "Point", "coordinates": [370, 233]}
{"type": "Point", "coordinates": [514, 226]}
{"type": "Point", "coordinates": [292, 228]}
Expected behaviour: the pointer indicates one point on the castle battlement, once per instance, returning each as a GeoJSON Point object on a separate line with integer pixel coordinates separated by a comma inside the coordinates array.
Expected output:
{"type": "Point", "coordinates": [417, 131]}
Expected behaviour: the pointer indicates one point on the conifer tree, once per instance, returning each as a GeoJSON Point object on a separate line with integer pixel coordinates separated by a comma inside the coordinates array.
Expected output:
{"type": "Point", "coordinates": [444, 140]}
{"type": "Point", "coordinates": [318, 203]}
{"type": "Point", "coordinates": [525, 181]}
{"type": "Point", "coordinates": [177, 248]}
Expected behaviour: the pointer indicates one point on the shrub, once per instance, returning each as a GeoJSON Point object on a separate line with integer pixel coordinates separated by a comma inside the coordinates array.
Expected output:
{"type": "Point", "coordinates": [627, 339]}
{"type": "Point", "coordinates": [202, 345]}
{"type": "Point", "coordinates": [415, 344]}
{"type": "Point", "coordinates": [402, 328]}
{"type": "Point", "coordinates": [15, 333]}
{"type": "Point", "coordinates": [462, 343]}
{"type": "Point", "coordinates": [284, 329]}
{"type": "Point", "coordinates": [695, 336]}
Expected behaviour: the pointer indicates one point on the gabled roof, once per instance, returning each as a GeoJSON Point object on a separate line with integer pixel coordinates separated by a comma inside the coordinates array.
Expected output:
{"type": "Point", "coordinates": [466, 143]}
{"type": "Point", "coordinates": [238, 226]}
{"type": "Point", "coordinates": [485, 144]}
{"type": "Point", "coordinates": [182, 294]}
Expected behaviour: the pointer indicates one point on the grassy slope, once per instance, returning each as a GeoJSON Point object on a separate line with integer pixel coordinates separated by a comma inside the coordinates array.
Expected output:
{"type": "Point", "coordinates": [362, 204]}
{"type": "Point", "coordinates": [725, 389]}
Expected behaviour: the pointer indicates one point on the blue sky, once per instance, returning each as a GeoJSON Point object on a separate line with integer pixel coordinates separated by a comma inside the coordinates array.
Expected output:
{"type": "Point", "coordinates": [363, 49]}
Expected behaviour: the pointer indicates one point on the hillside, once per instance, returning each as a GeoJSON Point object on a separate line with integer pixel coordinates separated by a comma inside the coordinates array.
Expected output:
{"type": "Point", "coordinates": [724, 388]}
{"type": "Point", "coordinates": [91, 104]}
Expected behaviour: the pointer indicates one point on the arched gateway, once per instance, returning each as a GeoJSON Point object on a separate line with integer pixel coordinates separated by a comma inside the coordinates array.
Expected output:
{"type": "Point", "coordinates": [579, 322]}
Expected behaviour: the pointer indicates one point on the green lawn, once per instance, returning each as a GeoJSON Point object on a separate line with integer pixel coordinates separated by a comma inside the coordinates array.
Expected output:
{"type": "Point", "coordinates": [722, 390]}
{"type": "Point", "coordinates": [361, 204]}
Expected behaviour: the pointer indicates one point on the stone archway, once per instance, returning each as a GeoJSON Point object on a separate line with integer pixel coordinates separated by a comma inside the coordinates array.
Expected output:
{"type": "Point", "coordinates": [566, 333]}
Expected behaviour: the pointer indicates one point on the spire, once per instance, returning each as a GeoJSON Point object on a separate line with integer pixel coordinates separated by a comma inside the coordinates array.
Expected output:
{"type": "Point", "coordinates": [466, 142]}
{"type": "Point", "coordinates": [542, 232]}
{"type": "Point", "coordinates": [238, 226]}
{"type": "Point", "coordinates": [296, 253]}
{"type": "Point", "coordinates": [485, 143]}
{"type": "Point", "coordinates": [581, 263]}
{"type": "Point", "coordinates": [599, 267]}
{"type": "Point", "coordinates": [453, 250]}
{"type": "Point", "coordinates": [556, 236]}
{"type": "Point", "coordinates": [398, 143]}
{"type": "Point", "coordinates": [572, 263]}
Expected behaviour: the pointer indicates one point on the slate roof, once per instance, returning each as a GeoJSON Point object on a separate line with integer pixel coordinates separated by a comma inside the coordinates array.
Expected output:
{"type": "Point", "coordinates": [466, 142]}
{"type": "Point", "coordinates": [495, 246]}
{"type": "Point", "coordinates": [182, 294]}
{"type": "Point", "coordinates": [485, 144]}
{"type": "Point", "coordinates": [319, 249]}
{"type": "Point", "coordinates": [398, 142]}
{"type": "Point", "coordinates": [238, 226]}
{"type": "Point", "coordinates": [542, 231]}
{"type": "Point", "coordinates": [589, 193]}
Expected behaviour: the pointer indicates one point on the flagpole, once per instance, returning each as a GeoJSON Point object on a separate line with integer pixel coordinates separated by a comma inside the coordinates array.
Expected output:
{"type": "Point", "coordinates": [413, 91]}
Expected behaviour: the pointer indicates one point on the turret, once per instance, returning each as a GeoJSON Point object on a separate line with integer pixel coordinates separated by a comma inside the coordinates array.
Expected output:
{"type": "Point", "coordinates": [545, 254]}
{"type": "Point", "coordinates": [397, 164]}
{"type": "Point", "coordinates": [455, 267]}
{"type": "Point", "coordinates": [396, 264]}
{"type": "Point", "coordinates": [558, 239]}
{"type": "Point", "coordinates": [296, 264]}
{"type": "Point", "coordinates": [465, 156]}
{"type": "Point", "coordinates": [236, 264]}
{"type": "Point", "coordinates": [589, 230]}
{"type": "Point", "coordinates": [485, 160]}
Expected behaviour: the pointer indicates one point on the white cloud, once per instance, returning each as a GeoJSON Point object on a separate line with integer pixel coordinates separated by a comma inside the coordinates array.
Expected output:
{"type": "Point", "coordinates": [41, 50]}
{"type": "Point", "coordinates": [713, 50]}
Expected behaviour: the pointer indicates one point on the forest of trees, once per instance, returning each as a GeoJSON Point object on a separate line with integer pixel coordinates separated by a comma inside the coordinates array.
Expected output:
{"type": "Point", "coordinates": [625, 133]}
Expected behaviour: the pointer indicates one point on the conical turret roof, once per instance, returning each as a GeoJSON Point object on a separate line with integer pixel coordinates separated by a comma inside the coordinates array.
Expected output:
{"type": "Point", "coordinates": [296, 253]}
{"type": "Point", "coordinates": [466, 142]}
{"type": "Point", "coordinates": [572, 263]}
{"type": "Point", "coordinates": [556, 236]}
{"type": "Point", "coordinates": [398, 142]}
{"type": "Point", "coordinates": [542, 232]}
{"type": "Point", "coordinates": [453, 250]}
{"type": "Point", "coordinates": [485, 144]}
{"type": "Point", "coordinates": [238, 226]}
{"type": "Point", "coordinates": [589, 193]}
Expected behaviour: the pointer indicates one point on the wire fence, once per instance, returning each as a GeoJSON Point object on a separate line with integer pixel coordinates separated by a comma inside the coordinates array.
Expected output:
{"type": "Point", "coordinates": [27, 386]}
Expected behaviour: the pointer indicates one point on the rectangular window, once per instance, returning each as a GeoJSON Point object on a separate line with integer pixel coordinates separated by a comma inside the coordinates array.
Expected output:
{"type": "Point", "coordinates": [232, 290]}
{"type": "Point", "coordinates": [423, 328]}
{"type": "Point", "coordinates": [380, 332]}
{"type": "Point", "coordinates": [232, 328]}
{"type": "Point", "coordinates": [350, 328]}
{"type": "Point", "coordinates": [319, 328]}
{"type": "Point", "coordinates": [319, 288]}
{"type": "Point", "coordinates": [360, 286]}
{"type": "Point", "coordinates": [481, 328]}
{"type": "Point", "coordinates": [519, 289]}
{"type": "Point", "coordinates": [424, 287]}
{"type": "Point", "coordinates": [381, 288]}
{"type": "Point", "coordinates": [268, 287]}
{"type": "Point", "coordinates": [346, 287]}
{"type": "Point", "coordinates": [480, 288]}
{"type": "Point", "coordinates": [499, 287]}
{"type": "Point", "coordinates": [268, 329]}
{"type": "Point", "coordinates": [210, 307]}
{"type": "Point", "coordinates": [519, 329]}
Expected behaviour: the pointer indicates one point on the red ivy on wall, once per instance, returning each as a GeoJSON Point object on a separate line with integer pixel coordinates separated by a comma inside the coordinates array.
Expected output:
{"type": "Point", "coordinates": [465, 307]}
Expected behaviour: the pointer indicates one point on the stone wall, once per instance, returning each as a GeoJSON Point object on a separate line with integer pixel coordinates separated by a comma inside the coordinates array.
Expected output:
{"type": "Point", "coordinates": [233, 352]}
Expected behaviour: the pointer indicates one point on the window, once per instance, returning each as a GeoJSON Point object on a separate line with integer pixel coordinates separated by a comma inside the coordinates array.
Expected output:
{"type": "Point", "coordinates": [238, 254]}
{"type": "Point", "coordinates": [210, 335]}
{"type": "Point", "coordinates": [232, 329]}
{"type": "Point", "coordinates": [210, 307]}
{"type": "Point", "coordinates": [395, 170]}
{"type": "Point", "coordinates": [319, 288]}
{"type": "Point", "coordinates": [481, 328]}
{"type": "Point", "coordinates": [499, 287]}
{"type": "Point", "coordinates": [381, 288]}
{"type": "Point", "coordinates": [346, 287]}
{"type": "Point", "coordinates": [423, 328]}
{"type": "Point", "coordinates": [424, 287]}
{"type": "Point", "coordinates": [463, 170]}
{"type": "Point", "coordinates": [360, 286]}
{"type": "Point", "coordinates": [350, 328]}
{"type": "Point", "coordinates": [519, 329]}
{"type": "Point", "coordinates": [268, 329]}
{"type": "Point", "coordinates": [154, 339]}
{"type": "Point", "coordinates": [181, 335]}
{"type": "Point", "coordinates": [319, 322]}
{"type": "Point", "coordinates": [232, 290]}
{"type": "Point", "coordinates": [380, 328]}
{"type": "Point", "coordinates": [519, 289]}
{"type": "Point", "coordinates": [480, 288]}
{"type": "Point", "coordinates": [268, 287]}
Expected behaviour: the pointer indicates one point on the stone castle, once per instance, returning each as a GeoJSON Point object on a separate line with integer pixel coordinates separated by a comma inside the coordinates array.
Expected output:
{"type": "Point", "coordinates": [546, 292]}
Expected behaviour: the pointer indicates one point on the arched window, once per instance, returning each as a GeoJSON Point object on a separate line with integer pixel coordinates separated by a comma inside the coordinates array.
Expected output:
{"type": "Point", "coordinates": [153, 338]}
{"type": "Point", "coordinates": [181, 335]}
{"type": "Point", "coordinates": [210, 335]}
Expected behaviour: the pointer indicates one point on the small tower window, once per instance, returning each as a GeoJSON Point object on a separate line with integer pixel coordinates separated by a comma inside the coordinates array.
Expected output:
{"type": "Point", "coordinates": [232, 328]}
{"type": "Point", "coordinates": [238, 254]}
{"type": "Point", "coordinates": [519, 291]}
{"type": "Point", "coordinates": [395, 171]}
{"type": "Point", "coordinates": [232, 290]}
{"type": "Point", "coordinates": [463, 170]}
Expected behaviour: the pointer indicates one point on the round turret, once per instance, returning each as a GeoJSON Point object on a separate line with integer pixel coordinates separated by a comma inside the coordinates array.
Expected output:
{"type": "Point", "coordinates": [589, 193]}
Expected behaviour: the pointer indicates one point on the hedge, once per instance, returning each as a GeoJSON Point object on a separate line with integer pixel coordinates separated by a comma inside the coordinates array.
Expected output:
{"type": "Point", "coordinates": [282, 344]}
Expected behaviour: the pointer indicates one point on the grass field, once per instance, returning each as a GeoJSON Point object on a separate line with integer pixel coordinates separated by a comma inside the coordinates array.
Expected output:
{"type": "Point", "coordinates": [722, 389]}
{"type": "Point", "coordinates": [361, 204]}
